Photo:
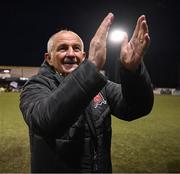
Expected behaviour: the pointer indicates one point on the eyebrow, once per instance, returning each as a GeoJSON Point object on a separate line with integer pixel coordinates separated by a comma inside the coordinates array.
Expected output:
{"type": "Point", "coordinates": [65, 44]}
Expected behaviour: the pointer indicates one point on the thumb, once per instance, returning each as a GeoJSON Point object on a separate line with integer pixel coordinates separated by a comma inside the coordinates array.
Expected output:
{"type": "Point", "coordinates": [124, 41]}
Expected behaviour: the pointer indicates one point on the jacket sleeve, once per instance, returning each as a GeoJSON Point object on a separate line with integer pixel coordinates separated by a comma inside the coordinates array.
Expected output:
{"type": "Point", "coordinates": [47, 112]}
{"type": "Point", "coordinates": [133, 97]}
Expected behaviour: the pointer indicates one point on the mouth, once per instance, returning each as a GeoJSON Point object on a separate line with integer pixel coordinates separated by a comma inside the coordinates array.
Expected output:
{"type": "Point", "coordinates": [70, 61]}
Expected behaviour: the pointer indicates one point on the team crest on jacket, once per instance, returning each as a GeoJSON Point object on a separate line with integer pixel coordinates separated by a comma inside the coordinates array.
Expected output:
{"type": "Point", "coordinates": [99, 100]}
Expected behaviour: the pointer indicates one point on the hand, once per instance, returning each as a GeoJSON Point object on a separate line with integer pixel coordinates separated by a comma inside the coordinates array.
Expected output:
{"type": "Point", "coordinates": [97, 49]}
{"type": "Point", "coordinates": [132, 52]}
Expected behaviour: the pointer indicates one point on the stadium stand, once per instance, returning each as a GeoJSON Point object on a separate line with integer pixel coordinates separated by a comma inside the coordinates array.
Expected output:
{"type": "Point", "coordinates": [12, 78]}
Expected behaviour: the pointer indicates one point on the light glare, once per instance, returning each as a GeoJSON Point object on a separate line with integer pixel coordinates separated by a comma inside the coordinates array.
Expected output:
{"type": "Point", "coordinates": [116, 36]}
{"type": "Point", "coordinates": [6, 71]}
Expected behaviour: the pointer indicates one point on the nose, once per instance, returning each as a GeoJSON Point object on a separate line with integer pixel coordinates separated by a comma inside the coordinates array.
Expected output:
{"type": "Point", "coordinates": [70, 52]}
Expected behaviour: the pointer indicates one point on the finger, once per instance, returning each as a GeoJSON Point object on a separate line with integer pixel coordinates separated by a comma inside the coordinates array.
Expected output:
{"type": "Point", "coordinates": [137, 28]}
{"type": "Point", "coordinates": [142, 32]}
{"type": "Point", "coordinates": [125, 40]}
{"type": "Point", "coordinates": [105, 25]}
{"type": "Point", "coordinates": [145, 26]}
{"type": "Point", "coordinates": [146, 41]}
{"type": "Point", "coordinates": [143, 29]}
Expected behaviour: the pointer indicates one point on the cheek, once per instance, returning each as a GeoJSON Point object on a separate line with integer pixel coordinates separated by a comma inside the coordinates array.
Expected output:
{"type": "Point", "coordinates": [81, 58]}
{"type": "Point", "coordinates": [58, 58]}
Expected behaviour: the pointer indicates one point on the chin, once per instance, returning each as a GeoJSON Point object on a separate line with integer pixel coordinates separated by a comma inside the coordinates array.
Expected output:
{"type": "Point", "coordinates": [68, 71]}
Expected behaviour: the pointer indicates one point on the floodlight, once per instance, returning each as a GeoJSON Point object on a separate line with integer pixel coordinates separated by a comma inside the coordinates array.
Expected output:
{"type": "Point", "coordinates": [6, 70]}
{"type": "Point", "coordinates": [116, 35]}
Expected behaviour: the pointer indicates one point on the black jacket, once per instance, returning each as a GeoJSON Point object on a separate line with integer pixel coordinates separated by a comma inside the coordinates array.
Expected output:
{"type": "Point", "coordinates": [61, 113]}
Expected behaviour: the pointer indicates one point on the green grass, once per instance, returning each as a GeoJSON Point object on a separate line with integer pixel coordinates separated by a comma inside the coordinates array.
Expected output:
{"type": "Point", "coordinates": [149, 145]}
{"type": "Point", "coordinates": [14, 140]}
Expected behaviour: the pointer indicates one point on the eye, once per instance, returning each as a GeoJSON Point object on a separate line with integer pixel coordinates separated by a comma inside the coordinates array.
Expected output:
{"type": "Point", "coordinates": [77, 48]}
{"type": "Point", "coordinates": [62, 48]}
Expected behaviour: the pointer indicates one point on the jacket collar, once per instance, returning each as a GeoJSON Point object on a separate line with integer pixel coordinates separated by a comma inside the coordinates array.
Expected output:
{"type": "Point", "coordinates": [49, 71]}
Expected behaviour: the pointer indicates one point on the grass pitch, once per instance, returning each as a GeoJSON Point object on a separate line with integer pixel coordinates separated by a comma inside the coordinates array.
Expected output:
{"type": "Point", "coordinates": [14, 140]}
{"type": "Point", "coordinates": [150, 144]}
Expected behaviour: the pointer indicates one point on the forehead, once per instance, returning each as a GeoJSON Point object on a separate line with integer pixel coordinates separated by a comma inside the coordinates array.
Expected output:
{"type": "Point", "coordinates": [69, 38]}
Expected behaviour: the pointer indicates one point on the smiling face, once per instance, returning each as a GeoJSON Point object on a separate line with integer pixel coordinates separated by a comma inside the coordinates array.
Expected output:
{"type": "Point", "coordinates": [65, 52]}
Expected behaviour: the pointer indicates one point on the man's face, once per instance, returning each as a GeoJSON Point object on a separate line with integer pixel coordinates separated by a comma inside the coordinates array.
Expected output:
{"type": "Point", "coordinates": [66, 53]}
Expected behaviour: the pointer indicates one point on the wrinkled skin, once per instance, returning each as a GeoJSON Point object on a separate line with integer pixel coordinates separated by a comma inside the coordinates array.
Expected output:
{"type": "Point", "coordinates": [132, 52]}
{"type": "Point", "coordinates": [66, 52]}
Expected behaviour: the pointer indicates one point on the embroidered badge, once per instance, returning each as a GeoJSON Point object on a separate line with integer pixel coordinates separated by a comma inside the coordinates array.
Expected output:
{"type": "Point", "coordinates": [99, 100]}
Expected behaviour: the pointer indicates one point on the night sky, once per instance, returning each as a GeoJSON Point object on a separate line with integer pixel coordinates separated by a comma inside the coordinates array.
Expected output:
{"type": "Point", "coordinates": [26, 27]}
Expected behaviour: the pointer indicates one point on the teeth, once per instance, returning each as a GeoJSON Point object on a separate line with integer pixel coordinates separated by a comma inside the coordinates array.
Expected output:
{"type": "Point", "coordinates": [70, 60]}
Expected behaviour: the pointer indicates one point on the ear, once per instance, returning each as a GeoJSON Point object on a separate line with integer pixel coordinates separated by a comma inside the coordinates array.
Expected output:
{"type": "Point", "coordinates": [48, 58]}
{"type": "Point", "coordinates": [84, 55]}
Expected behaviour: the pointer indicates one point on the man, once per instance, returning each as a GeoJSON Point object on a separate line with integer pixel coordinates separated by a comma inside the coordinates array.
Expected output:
{"type": "Point", "coordinates": [69, 103]}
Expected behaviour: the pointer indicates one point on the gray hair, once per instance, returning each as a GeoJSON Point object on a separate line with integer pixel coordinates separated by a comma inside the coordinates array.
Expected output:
{"type": "Point", "coordinates": [51, 40]}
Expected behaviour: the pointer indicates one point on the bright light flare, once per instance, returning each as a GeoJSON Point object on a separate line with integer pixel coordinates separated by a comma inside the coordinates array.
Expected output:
{"type": "Point", "coordinates": [116, 36]}
{"type": "Point", "coordinates": [6, 71]}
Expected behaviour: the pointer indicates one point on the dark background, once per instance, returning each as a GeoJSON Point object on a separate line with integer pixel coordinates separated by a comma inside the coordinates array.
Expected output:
{"type": "Point", "coordinates": [27, 25]}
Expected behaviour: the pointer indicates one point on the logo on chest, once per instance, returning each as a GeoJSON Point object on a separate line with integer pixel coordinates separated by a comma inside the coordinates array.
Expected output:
{"type": "Point", "coordinates": [98, 100]}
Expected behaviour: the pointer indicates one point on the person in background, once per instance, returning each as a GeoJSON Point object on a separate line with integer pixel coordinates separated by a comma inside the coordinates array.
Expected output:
{"type": "Point", "coordinates": [68, 105]}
